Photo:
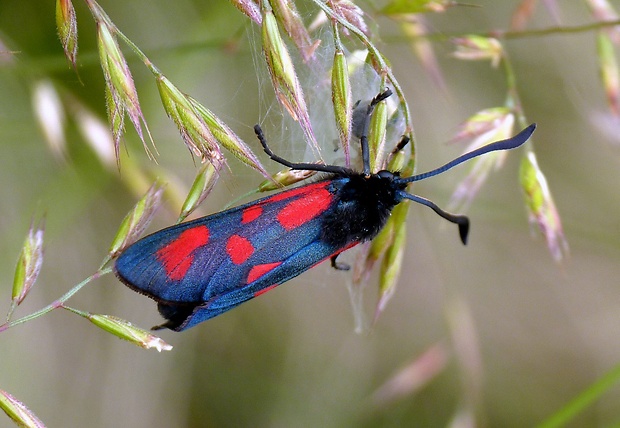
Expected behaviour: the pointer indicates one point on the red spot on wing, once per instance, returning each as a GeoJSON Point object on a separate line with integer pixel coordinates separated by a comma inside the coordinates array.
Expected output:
{"type": "Point", "coordinates": [177, 256]}
{"type": "Point", "coordinates": [297, 191]}
{"type": "Point", "coordinates": [302, 210]}
{"type": "Point", "coordinates": [264, 290]}
{"type": "Point", "coordinates": [260, 270]}
{"type": "Point", "coordinates": [251, 213]}
{"type": "Point", "coordinates": [239, 249]}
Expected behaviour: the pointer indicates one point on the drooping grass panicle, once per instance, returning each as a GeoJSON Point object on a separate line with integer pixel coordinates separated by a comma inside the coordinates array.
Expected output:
{"type": "Point", "coordinates": [196, 123]}
{"type": "Point", "coordinates": [539, 203]}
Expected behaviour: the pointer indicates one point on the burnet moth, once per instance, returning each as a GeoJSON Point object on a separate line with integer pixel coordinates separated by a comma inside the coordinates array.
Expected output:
{"type": "Point", "coordinates": [205, 267]}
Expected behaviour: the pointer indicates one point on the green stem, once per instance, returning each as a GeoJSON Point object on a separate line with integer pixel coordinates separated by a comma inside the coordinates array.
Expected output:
{"type": "Point", "coordinates": [75, 311]}
{"type": "Point", "coordinates": [57, 303]}
{"type": "Point", "coordinates": [583, 400]}
{"type": "Point", "coordinates": [512, 35]}
{"type": "Point", "coordinates": [513, 101]}
{"type": "Point", "coordinates": [554, 30]}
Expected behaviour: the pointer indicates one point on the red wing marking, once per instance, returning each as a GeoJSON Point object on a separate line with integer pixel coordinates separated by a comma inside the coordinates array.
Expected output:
{"type": "Point", "coordinates": [177, 256]}
{"type": "Point", "coordinates": [250, 214]}
{"type": "Point", "coordinates": [302, 210]}
{"type": "Point", "coordinates": [239, 249]}
{"type": "Point", "coordinates": [297, 191]}
{"type": "Point", "coordinates": [260, 270]}
{"type": "Point", "coordinates": [264, 290]}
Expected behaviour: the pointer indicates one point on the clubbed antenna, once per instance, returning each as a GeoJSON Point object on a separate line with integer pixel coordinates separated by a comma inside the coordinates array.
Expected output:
{"type": "Point", "coordinates": [461, 220]}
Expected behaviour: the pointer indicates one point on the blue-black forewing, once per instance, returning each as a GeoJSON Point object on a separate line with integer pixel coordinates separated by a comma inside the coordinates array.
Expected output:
{"type": "Point", "coordinates": [202, 268]}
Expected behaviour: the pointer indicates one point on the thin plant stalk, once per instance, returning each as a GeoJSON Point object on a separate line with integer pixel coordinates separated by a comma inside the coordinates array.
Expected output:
{"type": "Point", "coordinates": [58, 302]}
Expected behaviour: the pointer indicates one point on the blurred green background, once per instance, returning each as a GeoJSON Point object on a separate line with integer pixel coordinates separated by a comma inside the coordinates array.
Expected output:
{"type": "Point", "coordinates": [521, 334]}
